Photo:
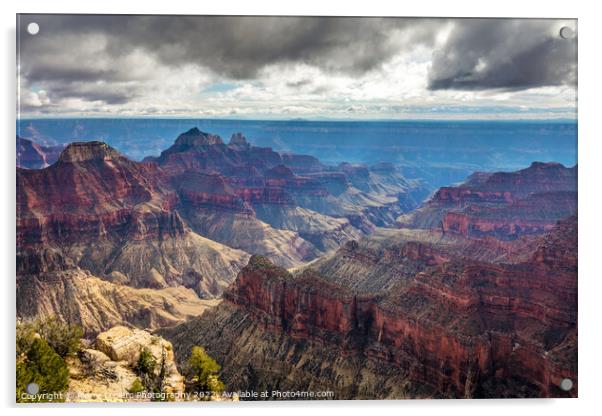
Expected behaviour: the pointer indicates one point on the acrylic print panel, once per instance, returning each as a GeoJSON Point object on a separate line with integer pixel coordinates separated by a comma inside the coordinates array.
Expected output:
{"type": "Point", "coordinates": [292, 208]}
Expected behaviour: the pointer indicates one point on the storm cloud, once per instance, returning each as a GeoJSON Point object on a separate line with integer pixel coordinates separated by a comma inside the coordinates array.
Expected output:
{"type": "Point", "coordinates": [235, 47]}
{"type": "Point", "coordinates": [504, 53]}
{"type": "Point", "coordinates": [140, 62]}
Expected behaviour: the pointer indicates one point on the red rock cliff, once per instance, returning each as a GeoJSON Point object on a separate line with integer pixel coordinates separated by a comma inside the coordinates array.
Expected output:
{"type": "Point", "coordinates": [458, 326]}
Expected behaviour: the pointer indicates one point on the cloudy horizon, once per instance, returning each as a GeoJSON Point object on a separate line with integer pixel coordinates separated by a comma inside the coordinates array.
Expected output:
{"type": "Point", "coordinates": [296, 67]}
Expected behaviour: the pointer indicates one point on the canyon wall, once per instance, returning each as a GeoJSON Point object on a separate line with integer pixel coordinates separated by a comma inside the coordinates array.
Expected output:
{"type": "Point", "coordinates": [455, 329]}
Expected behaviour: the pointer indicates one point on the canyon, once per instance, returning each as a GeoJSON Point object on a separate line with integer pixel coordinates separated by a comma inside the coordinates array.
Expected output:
{"type": "Point", "coordinates": [104, 240]}
{"type": "Point", "coordinates": [295, 274]}
{"type": "Point", "coordinates": [423, 311]}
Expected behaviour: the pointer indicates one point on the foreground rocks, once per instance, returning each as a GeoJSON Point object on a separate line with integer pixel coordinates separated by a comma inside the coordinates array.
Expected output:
{"type": "Point", "coordinates": [106, 370]}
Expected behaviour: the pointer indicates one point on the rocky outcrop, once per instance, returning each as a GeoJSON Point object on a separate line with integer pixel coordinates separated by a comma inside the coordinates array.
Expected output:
{"type": "Point", "coordinates": [194, 137]}
{"type": "Point", "coordinates": [94, 377]}
{"type": "Point", "coordinates": [239, 142]}
{"type": "Point", "coordinates": [106, 371]}
{"type": "Point", "coordinates": [124, 344]}
{"type": "Point", "coordinates": [88, 152]}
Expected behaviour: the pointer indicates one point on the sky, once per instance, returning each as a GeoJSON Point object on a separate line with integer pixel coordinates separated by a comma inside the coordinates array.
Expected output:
{"type": "Point", "coordinates": [296, 67]}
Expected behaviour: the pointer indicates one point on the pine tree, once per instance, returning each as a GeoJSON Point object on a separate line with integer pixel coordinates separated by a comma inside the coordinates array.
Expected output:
{"type": "Point", "coordinates": [203, 370]}
{"type": "Point", "coordinates": [43, 366]}
{"type": "Point", "coordinates": [146, 368]}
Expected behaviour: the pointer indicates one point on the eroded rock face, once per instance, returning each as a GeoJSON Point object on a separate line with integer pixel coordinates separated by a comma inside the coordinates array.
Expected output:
{"type": "Point", "coordinates": [78, 297]}
{"type": "Point", "coordinates": [456, 328]}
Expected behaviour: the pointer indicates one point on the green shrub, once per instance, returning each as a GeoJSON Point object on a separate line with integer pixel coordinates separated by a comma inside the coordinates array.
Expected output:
{"type": "Point", "coordinates": [136, 387]}
{"type": "Point", "coordinates": [146, 363]}
{"type": "Point", "coordinates": [64, 338]}
{"type": "Point", "coordinates": [43, 366]}
{"type": "Point", "coordinates": [25, 334]}
{"type": "Point", "coordinates": [203, 370]}
{"type": "Point", "coordinates": [159, 395]}
{"type": "Point", "coordinates": [215, 385]}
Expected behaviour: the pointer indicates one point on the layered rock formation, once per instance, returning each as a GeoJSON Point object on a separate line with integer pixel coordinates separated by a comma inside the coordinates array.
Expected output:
{"type": "Point", "coordinates": [189, 219]}
{"type": "Point", "coordinates": [291, 207]}
{"type": "Point", "coordinates": [506, 205]}
{"type": "Point", "coordinates": [98, 210]}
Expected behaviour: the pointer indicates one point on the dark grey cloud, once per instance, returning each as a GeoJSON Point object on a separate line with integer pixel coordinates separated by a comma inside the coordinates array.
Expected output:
{"type": "Point", "coordinates": [93, 57]}
{"type": "Point", "coordinates": [236, 47]}
{"type": "Point", "coordinates": [72, 53]}
{"type": "Point", "coordinates": [110, 94]}
{"type": "Point", "coordinates": [507, 54]}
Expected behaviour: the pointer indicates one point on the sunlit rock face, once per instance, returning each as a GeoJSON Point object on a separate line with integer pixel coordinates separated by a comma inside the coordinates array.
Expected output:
{"type": "Point", "coordinates": [106, 369]}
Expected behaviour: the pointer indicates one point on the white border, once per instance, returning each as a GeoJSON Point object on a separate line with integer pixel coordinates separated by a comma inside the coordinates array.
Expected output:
{"type": "Point", "coordinates": [590, 207]}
